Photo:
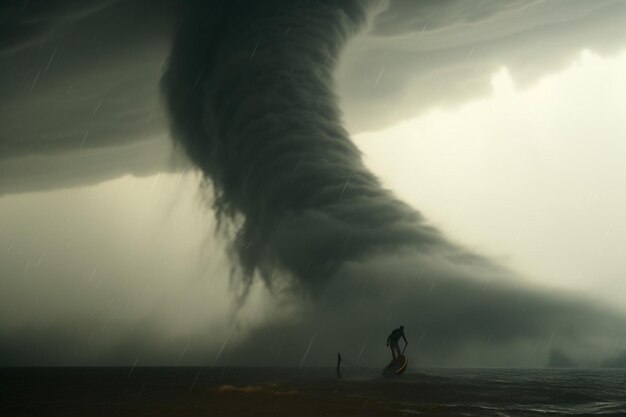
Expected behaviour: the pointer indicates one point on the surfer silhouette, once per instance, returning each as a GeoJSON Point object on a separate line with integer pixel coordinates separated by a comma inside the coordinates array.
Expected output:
{"type": "Point", "coordinates": [392, 342]}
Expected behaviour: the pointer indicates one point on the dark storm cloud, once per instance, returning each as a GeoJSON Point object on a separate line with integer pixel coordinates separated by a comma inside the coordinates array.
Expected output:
{"type": "Point", "coordinates": [62, 170]}
{"type": "Point", "coordinates": [72, 67]}
{"type": "Point", "coordinates": [404, 16]}
{"type": "Point", "coordinates": [80, 77]}
{"type": "Point", "coordinates": [26, 22]}
{"type": "Point", "coordinates": [424, 54]}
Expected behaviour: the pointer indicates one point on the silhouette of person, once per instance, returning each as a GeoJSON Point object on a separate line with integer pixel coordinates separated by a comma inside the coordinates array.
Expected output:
{"type": "Point", "coordinates": [338, 365]}
{"type": "Point", "coordinates": [392, 342]}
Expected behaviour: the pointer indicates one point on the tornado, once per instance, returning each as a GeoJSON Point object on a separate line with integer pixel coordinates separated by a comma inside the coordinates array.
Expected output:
{"type": "Point", "coordinates": [251, 93]}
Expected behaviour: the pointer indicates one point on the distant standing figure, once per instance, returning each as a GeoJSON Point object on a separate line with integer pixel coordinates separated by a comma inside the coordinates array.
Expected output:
{"type": "Point", "coordinates": [338, 365]}
{"type": "Point", "coordinates": [392, 342]}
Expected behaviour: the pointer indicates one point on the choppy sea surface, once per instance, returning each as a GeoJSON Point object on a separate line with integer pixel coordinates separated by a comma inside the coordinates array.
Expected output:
{"type": "Point", "coordinates": [310, 392]}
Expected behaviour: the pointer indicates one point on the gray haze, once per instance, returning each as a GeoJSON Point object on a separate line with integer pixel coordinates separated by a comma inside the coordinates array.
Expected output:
{"type": "Point", "coordinates": [251, 94]}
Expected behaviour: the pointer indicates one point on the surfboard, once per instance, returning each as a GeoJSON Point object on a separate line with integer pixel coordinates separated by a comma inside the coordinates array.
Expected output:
{"type": "Point", "coordinates": [396, 367]}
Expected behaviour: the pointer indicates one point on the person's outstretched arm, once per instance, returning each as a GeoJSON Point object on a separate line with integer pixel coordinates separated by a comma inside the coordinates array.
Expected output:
{"type": "Point", "coordinates": [406, 343]}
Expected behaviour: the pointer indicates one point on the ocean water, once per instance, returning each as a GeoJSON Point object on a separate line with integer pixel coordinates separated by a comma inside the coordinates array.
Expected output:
{"type": "Point", "coordinates": [170, 392]}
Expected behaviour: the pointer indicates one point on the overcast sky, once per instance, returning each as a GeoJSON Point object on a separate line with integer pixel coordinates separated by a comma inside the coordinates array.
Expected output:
{"type": "Point", "coordinates": [499, 123]}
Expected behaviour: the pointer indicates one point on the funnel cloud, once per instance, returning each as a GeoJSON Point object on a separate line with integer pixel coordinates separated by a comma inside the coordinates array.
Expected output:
{"type": "Point", "coordinates": [251, 94]}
